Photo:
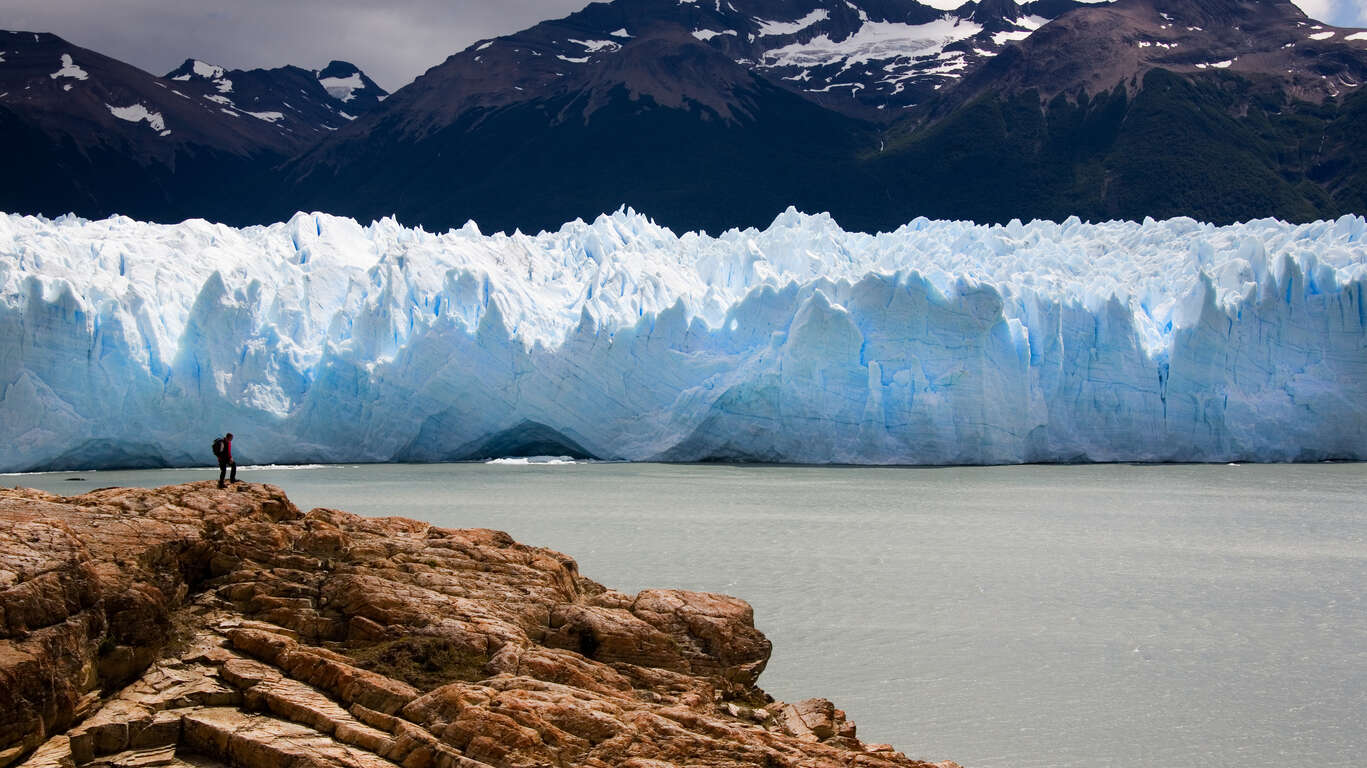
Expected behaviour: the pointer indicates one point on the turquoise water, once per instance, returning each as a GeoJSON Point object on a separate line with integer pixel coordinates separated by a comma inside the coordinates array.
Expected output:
{"type": "Point", "coordinates": [1107, 615]}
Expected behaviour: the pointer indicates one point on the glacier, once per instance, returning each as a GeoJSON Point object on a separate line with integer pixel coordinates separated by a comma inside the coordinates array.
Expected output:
{"type": "Point", "coordinates": [321, 339]}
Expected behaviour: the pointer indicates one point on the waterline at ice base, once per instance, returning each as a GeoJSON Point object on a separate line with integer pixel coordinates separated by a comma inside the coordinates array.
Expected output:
{"type": "Point", "coordinates": [323, 340]}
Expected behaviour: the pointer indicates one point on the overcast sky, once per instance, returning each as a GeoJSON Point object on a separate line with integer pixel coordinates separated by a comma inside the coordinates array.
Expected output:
{"type": "Point", "coordinates": [394, 41]}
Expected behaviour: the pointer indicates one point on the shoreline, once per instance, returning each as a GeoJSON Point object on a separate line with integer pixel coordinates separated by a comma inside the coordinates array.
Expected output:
{"type": "Point", "coordinates": [519, 461]}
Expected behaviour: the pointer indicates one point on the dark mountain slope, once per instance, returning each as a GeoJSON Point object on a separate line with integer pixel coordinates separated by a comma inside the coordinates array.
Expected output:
{"type": "Point", "coordinates": [88, 134]}
{"type": "Point", "coordinates": [1218, 148]}
{"type": "Point", "coordinates": [1094, 48]}
{"type": "Point", "coordinates": [735, 149]}
{"type": "Point", "coordinates": [303, 105]}
{"type": "Point", "coordinates": [712, 115]}
{"type": "Point", "coordinates": [1217, 109]}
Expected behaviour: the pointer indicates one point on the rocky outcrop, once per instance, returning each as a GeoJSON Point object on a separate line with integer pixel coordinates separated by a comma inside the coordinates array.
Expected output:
{"type": "Point", "coordinates": [191, 626]}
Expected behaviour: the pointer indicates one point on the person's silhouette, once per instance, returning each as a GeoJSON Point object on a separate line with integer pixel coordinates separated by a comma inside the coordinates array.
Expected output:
{"type": "Point", "coordinates": [225, 460]}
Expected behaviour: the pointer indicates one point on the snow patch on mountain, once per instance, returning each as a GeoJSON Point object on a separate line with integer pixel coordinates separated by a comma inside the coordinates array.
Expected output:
{"type": "Point", "coordinates": [1015, 35]}
{"type": "Point", "coordinates": [594, 46]}
{"type": "Point", "coordinates": [136, 113]}
{"type": "Point", "coordinates": [270, 117]}
{"type": "Point", "coordinates": [196, 69]}
{"type": "Point", "coordinates": [320, 339]}
{"type": "Point", "coordinates": [777, 28]}
{"type": "Point", "coordinates": [342, 88]}
{"type": "Point", "coordinates": [69, 69]}
{"type": "Point", "coordinates": [207, 71]}
{"type": "Point", "coordinates": [873, 41]}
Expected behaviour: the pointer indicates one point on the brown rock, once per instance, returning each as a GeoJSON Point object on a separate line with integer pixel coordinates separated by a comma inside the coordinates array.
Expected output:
{"type": "Point", "coordinates": [818, 715]}
{"type": "Point", "coordinates": [186, 624]}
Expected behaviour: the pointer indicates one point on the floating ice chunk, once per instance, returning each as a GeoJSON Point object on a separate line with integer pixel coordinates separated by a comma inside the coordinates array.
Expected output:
{"type": "Point", "coordinates": [540, 461]}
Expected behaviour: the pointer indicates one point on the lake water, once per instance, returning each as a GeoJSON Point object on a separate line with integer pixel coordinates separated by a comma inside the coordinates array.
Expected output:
{"type": "Point", "coordinates": [1113, 615]}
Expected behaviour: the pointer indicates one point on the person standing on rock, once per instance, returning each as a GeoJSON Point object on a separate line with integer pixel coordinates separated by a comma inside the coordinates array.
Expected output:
{"type": "Point", "coordinates": [223, 449]}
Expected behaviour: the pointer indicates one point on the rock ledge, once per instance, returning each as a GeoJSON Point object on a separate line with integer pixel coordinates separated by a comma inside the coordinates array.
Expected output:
{"type": "Point", "coordinates": [191, 626]}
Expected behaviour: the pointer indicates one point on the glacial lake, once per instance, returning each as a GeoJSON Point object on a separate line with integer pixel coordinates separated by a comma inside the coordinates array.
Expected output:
{"type": "Point", "coordinates": [1097, 616]}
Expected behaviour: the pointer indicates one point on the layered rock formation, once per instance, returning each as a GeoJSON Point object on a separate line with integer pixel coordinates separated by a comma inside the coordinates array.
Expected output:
{"type": "Point", "coordinates": [189, 626]}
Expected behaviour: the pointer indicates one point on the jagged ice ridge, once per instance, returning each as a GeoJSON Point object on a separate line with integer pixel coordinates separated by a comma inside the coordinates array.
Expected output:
{"type": "Point", "coordinates": [126, 343]}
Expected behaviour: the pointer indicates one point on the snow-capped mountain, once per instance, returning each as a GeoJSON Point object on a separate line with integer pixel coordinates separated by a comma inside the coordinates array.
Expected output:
{"type": "Point", "coordinates": [90, 99]}
{"type": "Point", "coordinates": [702, 113]}
{"type": "Point", "coordinates": [866, 58]}
{"type": "Point", "coordinates": [1269, 40]}
{"type": "Point", "coordinates": [319, 339]}
{"type": "Point", "coordinates": [717, 113]}
{"type": "Point", "coordinates": [351, 88]}
{"type": "Point", "coordinates": [88, 133]}
{"type": "Point", "coordinates": [300, 103]}
{"type": "Point", "coordinates": [870, 58]}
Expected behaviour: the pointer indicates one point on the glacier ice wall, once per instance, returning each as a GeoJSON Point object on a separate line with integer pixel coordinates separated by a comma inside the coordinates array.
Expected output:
{"type": "Point", "coordinates": [126, 344]}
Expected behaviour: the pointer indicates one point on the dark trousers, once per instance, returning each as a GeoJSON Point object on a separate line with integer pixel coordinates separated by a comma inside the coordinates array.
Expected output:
{"type": "Point", "coordinates": [223, 470]}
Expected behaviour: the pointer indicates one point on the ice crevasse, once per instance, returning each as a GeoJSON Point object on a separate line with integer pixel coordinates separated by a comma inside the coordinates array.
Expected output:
{"type": "Point", "coordinates": [322, 340]}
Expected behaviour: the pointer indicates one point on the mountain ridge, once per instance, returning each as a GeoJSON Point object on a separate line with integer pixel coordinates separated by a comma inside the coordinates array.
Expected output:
{"type": "Point", "coordinates": [712, 115]}
{"type": "Point", "coordinates": [93, 135]}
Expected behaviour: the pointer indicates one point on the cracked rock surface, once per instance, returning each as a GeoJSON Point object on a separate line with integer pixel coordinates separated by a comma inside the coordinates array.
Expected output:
{"type": "Point", "coordinates": [192, 626]}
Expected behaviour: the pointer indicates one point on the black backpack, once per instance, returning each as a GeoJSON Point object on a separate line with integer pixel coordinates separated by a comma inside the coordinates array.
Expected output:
{"type": "Point", "coordinates": [218, 447]}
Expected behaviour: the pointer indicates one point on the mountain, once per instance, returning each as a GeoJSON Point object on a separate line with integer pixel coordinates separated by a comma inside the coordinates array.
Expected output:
{"type": "Point", "coordinates": [93, 135]}
{"type": "Point", "coordinates": [712, 115]}
{"type": "Point", "coordinates": [1220, 109]}
{"type": "Point", "coordinates": [868, 59]}
{"type": "Point", "coordinates": [1094, 48]}
{"type": "Point", "coordinates": [303, 105]}
{"type": "Point", "coordinates": [718, 114]}
{"type": "Point", "coordinates": [515, 132]}
{"type": "Point", "coordinates": [707, 114]}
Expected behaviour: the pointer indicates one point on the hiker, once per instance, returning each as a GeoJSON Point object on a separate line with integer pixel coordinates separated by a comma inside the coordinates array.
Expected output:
{"type": "Point", "coordinates": [223, 449]}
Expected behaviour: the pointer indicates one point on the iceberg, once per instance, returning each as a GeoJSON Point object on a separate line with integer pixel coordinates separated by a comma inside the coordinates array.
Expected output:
{"type": "Point", "coordinates": [321, 340]}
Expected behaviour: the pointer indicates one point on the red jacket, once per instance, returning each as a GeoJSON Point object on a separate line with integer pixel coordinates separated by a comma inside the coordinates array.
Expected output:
{"type": "Point", "coordinates": [227, 454]}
